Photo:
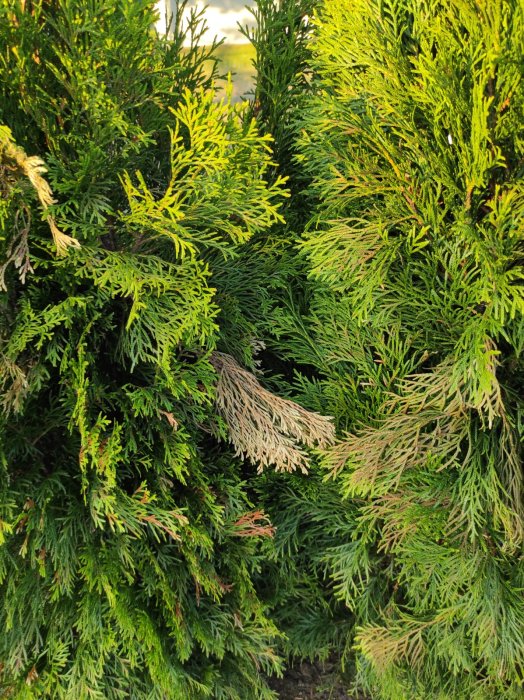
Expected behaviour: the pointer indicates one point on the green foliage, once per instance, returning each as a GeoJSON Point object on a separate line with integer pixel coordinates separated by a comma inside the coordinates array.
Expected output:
{"type": "Point", "coordinates": [269, 268]}
{"type": "Point", "coordinates": [309, 515]}
{"type": "Point", "coordinates": [282, 63]}
{"type": "Point", "coordinates": [125, 570]}
{"type": "Point", "coordinates": [144, 262]}
{"type": "Point", "coordinates": [410, 332]}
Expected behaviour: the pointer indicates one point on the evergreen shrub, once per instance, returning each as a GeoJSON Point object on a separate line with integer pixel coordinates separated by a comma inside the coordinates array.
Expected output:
{"type": "Point", "coordinates": [129, 538]}
{"type": "Point", "coordinates": [309, 515]}
{"type": "Point", "coordinates": [410, 332]}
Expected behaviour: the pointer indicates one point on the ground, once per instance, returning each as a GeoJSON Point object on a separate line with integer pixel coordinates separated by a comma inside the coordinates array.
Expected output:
{"type": "Point", "coordinates": [311, 682]}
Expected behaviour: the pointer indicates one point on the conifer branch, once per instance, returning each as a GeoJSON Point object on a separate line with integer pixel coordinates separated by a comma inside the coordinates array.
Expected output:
{"type": "Point", "coordinates": [33, 168]}
{"type": "Point", "coordinates": [263, 427]}
{"type": "Point", "coordinates": [255, 524]}
{"type": "Point", "coordinates": [429, 423]}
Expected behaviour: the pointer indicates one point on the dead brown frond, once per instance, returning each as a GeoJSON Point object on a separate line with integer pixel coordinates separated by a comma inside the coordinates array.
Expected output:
{"type": "Point", "coordinates": [33, 168]}
{"type": "Point", "coordinates": [263, 427]}
{"type": "Point", "coordinates": [170, 419]}
{"type": "Point", "coordinates": [17, 253]}
{"type": "Point", "coordinates": [255, 524]}
{"type": "Point", "coordinates": [32, 676]}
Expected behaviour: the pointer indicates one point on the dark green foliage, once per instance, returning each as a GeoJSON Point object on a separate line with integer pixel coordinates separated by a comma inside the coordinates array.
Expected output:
{"type": "Point", "coordinates": [308, 514]}
{"type": "Point", "coordinates": [283, 72]}
{"type": "Point", "coordinates": [268, 267]}
{"type": "Point", "coordinates": [410, 332]}
{"type": "Point", "coordinates": [128, 538]}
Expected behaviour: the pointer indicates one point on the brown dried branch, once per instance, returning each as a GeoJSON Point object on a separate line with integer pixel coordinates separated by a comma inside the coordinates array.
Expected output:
{"type": "Point", "coordinates": [255, 524]}
{"type": "Point", "coordinates": [170, 419]}
{"type": "Point", "coordinates": [17, 253]}
{"type": "Point", "coordinates": [263, 427]}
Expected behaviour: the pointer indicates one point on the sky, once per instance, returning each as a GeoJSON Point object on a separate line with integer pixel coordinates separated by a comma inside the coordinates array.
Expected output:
{"type": "Point", "coordinates": [222, 17]}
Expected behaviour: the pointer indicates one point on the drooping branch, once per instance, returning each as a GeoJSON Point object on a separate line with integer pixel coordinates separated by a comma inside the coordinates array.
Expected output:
{"type": "Point", "coordinates": [33, 168]}
{"type": "Point", "coordinates": [263, 427]}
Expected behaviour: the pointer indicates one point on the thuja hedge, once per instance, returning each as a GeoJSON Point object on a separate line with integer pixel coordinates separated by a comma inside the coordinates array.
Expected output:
{"type": "Point", "coordinates": [405, 322]}
{"type": "Point", "coordinates": [129, 533]}
{"type": "Point", "coordinates": [148, 276]}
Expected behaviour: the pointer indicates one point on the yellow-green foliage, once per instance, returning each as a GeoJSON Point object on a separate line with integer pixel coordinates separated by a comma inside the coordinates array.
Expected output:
{"type": "Point", "coordinates": [126, 570]}
{"type": "Point", "coordinates": [410, 332]}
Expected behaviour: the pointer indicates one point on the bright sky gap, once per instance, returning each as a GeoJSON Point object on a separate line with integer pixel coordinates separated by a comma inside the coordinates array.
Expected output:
{"type": "Point", "coordinates": [222, 17]}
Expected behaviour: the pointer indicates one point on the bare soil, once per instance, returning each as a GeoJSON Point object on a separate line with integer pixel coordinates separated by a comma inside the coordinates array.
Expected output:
{"type": "Point", "coordinates": [311, 682]}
